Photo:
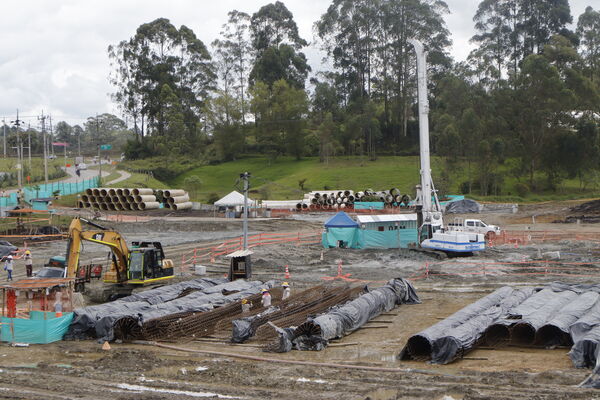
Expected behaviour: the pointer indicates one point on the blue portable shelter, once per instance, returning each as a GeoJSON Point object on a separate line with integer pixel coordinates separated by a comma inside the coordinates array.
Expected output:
{"type": "Point", "coordinates": [340, 231]}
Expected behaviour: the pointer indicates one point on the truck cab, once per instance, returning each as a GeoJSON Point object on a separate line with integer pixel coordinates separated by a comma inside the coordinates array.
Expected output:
{"type": "Point", "coordinates": [475, 226]}
{"type": "Point", "coordinates": [146, 262]}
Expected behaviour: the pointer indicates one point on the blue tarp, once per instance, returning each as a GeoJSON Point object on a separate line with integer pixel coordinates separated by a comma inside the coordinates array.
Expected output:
{"type": "Point", "coordinates": [369, 205]}
{"type": "Point", "coordinates": [38, 329]}
{"type": "Point", "coordinates": [332, 236]}
{"type": "Point", "coordinates": [341, 220]}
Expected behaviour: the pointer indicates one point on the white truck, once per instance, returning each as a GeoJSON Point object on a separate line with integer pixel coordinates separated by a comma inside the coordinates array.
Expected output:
{"type": "Point", "coordinates": [475, 226]}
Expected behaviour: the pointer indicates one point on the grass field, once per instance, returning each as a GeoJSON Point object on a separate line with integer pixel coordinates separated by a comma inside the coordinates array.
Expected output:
{"type": "Point", "coordinates": [280, 179]}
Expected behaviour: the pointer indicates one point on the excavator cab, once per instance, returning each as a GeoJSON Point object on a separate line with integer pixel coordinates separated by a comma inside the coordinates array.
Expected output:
{"type": "Point", "coordinates": [147, 262]}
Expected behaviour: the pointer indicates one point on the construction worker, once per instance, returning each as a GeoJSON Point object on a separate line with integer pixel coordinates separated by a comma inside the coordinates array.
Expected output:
{"type": "Point", "coordinates": [28, 264]}
{"type": "Point", "coordinates": [266, 298]}
{"type": "Point", "coordinates": [8, 267]}
{"type": "Point", "coordinates": [246, 306]}
{"type": "Point", "coordinates": [286, 290]}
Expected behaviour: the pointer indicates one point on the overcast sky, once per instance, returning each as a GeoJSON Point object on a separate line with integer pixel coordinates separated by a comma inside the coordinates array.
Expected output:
{"type": "Point", "coordinates": [53, 53]}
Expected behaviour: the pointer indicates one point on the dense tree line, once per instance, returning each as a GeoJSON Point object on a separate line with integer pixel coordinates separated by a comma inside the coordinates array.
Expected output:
{"type": "Point", "coordinates": [526, 100]}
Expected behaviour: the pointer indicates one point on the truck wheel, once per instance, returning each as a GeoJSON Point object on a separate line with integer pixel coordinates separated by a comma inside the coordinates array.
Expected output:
{"type": "Point", "coordinates": [79, 287]}
{"type": "Point", "coordinates": [490, 236]}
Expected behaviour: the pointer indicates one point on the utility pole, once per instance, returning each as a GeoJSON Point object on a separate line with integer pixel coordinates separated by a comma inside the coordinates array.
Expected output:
{"type": "Point", "coordinates": [17, 123]}
{"type": "Point", "coordinates": [246, 178]}
{"type": "Point", "coordinates": [4, 126]}
{"type": "Point", "coordinates": [99, 144]}
{"type": "Point", "coordinates": [29, 143]}
{"type": "Point", "coordinates": [43, 119]}
{"type": "Point", "coordinates": [51, 134]}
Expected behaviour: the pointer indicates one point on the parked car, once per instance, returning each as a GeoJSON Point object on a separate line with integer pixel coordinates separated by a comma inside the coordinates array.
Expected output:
{"type": "Point", "coordinates": [51, 157]}
{"type": "Point", "coordinates": [7, 248]}
{"type": "Point", "coordinates": [82, 166]}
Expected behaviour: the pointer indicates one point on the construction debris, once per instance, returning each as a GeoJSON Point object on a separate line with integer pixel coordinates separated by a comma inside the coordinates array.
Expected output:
{"type": "Point", "coordinates": [341, 320]}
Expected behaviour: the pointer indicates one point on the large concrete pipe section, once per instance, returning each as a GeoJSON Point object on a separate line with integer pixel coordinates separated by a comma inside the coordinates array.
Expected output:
{"type": "Point", "coordinates": [89, 192]}
{"type": "Point", "coordinates": [126, 192]}
{"type": "Point", "coordinates": [173, 192]}
{"type": "Point", "coordinates": [179, 199]}
{"type": "Point", "coordinates": [85, 198]}
{"type": "Point", "coordinates": [150, 205]}
{"type": "Point", "coordinates": [182, 206]}
{"type": "Point", "coordinates": [144, 198]}
{"type": "Point", "coordinates": [142, 191]}
{"type": "Point", "coordinates": [104, 192]}
{"type": "Point", "coordinates": [96, 192]}
{"type": "Point", "coordinates": [104, 206]}
{"type": "Point", "coordinates": [80, 204]}
{"type": "Point", "coordinates": [115, 199]}
{"type": "Point", "coordinates": [119, 192]}
{"type": "Point", "coordinates": [119, 206]}
{"type": "Point", "coordinates": [112, 192]}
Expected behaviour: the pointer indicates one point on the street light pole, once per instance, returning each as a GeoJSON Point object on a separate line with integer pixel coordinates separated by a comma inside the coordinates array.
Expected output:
{"type": "Point", "coordinates": [246, 177]}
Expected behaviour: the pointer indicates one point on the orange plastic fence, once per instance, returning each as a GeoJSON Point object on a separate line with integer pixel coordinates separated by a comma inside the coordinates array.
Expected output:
{"type": "Point", "coordinates": [210, 252]}
{"type": "Point", "coordinates": [527, 237]}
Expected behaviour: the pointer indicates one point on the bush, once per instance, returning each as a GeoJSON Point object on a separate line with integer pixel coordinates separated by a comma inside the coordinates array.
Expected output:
{"type": "Point", "coordinates": [464, 187]}
{"type": "Point", "coordinates": [522, 189]}
{"type": "Point", "coordinates": [212, 198]}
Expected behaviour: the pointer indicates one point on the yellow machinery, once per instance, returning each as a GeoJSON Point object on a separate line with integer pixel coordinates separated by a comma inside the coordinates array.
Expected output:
{"type": "Point", "coordinates": [144, 263]}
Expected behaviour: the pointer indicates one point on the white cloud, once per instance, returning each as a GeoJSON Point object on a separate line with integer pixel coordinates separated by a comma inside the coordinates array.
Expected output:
{"type": "Point", "coordinates": [54, 53]}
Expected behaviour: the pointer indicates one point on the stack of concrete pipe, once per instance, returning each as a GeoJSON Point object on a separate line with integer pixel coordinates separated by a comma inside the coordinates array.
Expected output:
{"type": "Point", "coordinates": [129, 199]}
{"type": "Point", "coordinates": [340, 199]}
{"type": "Point", "coordinates": [175, 199]}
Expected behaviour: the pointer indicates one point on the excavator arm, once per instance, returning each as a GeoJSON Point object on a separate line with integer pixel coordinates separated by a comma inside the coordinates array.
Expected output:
{"type": "Point", "coordinates": [103, 236]}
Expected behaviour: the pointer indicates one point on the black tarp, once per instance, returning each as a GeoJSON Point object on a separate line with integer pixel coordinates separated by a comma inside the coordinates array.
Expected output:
{"type": "Point", "coordinates": [341, 320]}
{"type": "Point", "coordinates": [98, 321]}
{"type": "Point", "coordinates": [465, 206]}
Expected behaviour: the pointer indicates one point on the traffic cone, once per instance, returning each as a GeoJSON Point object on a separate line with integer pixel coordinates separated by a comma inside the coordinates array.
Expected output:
{"type": "Point", "coordinates": [287, 272]}
{"type": "Point", "coordinates": [106, 346]}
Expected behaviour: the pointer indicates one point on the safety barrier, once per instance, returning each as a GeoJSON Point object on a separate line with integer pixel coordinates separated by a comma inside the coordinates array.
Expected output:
{"type": "Point", "coordinates": [528, 237]}
{"type": "Point", "coordinates": [46, 190]}
{"type": "Point", "coordinates": [210, 252]}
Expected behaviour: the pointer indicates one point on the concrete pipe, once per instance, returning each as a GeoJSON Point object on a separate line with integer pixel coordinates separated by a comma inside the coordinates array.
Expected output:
{"type": "Point", "coordinates": [103, 191]}
{"type": "Point", "coordinates": [182, 206]}
{"type": "Point", "coordinates": [351, 198]}
{"type": "Point", "coordinates": [342, 206]}
{"type": "Point", "coordinates": [88, 205]}
{"type": "Point", "coordinates": [115, 199]}
{"type": "Point", "coordinates": [395, 191]}
{"type": "Point", "coordinates": [317, 195]}
{"type": "Point", "coordinates": [85, 197]}
{"type": "Point", "coordinates": [104, 206]}
{"type": "Point", "coordinates": [96, 192]}
{"type": "Point", "coordinates": [321, 201]}
{"type": "Point", "coordinates": [112, 192]}
{"type": "Point", "coordinates": [130, 199]}
{"type": "Point", "coordinates": [174, 193]}
{"type": "Point", "coordinates": [96, 205]}
{"type": "Point", "coordinates": [314, 200]}
{"type": "Point", "coordinates": [120, 192]}
{"type": "Point", "coordinates": [133, 206]}
{"type": "Point", "coordinates": [126, 192]}
{"type": "Point", "coordinates": [112, 207]}
{"type": "Point", "coordinates": [166, 205]}
{"type": "Point", "coordinates": [123, 199]}
{"type": "Point", "coordinates": [398, 199]}
{"type": "Point", "coordinates": [298, 206]}
{"type": "Point", "coordinates": [317, 206]}
{"type": "Point", "coordinates": [142, 191]}
{"type": "Point", "coordinates": [325, 196]}
{"type": "Point", "coordinates": [346, 193]}
{"type": "Point", "coordinates": [150, 205]}
{"type": "Point", "coordinates": [119, 206]}
{"type": "Point", "coordinates": [80, 204]}
{"type": "Point", "coordinates": [389, 198]}
{"type": "Point", "coordinates": [304, 206]}
{"type": "Point", "coordinates": [144, 198]}
{"type": "Point", "coordinates": [336, 206]}
{"type": "Point", "coordinates": [339, 200]}
{"type": "Point", "coordinates": [89, 192]}
{"type": "Point", "coordinates": [179, 199]}
{"type": "Point", "coordinates": [126, 206]}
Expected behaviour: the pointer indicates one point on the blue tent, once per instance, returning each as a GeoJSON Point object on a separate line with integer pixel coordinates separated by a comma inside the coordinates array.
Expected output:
{"type": "Point", "coordinates": [340, 231]}
{"type": "Point", "coordinates": [341, 220]}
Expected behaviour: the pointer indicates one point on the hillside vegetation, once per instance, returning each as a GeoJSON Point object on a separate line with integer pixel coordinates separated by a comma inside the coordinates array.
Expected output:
{"type": "Point", "coordinates": [280, 179]}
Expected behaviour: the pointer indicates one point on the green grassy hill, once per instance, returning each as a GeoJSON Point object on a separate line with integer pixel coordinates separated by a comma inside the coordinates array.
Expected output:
{"type": "Point", "coordinates": [278, 180]}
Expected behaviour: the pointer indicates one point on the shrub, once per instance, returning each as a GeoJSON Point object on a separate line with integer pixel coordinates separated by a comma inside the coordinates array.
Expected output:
{"type": "Point", "coordinates": [213, 197]}
{"type": "Point", "coordinates": [522, 189]}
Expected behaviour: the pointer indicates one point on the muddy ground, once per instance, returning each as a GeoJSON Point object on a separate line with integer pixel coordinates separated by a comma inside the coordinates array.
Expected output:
{"type": "Point", "coordinates": [82, 370]}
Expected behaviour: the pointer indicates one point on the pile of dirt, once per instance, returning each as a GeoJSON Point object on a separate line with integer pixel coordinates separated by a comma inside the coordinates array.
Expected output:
{"type": "Point", "coordinates": [131, 360]}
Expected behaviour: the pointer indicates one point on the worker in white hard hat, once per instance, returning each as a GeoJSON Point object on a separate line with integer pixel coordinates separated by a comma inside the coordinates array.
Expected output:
{"type": "Point", "coordinates": [246, 306]}
{"type": "Point", "coordinates": [8, 267]}
{"type": "Point", "coordinates": [28, 263]}
{"type": "Point", "coordinates": [286, 290]}
{"type": "Point", "coordinates": [266, 298]}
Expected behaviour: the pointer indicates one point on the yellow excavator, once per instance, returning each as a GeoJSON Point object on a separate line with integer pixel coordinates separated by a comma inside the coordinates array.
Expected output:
{"type": "Point", "coordinates": [143, 264]}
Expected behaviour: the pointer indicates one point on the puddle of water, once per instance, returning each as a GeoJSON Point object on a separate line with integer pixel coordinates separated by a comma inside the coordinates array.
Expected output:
{"type": "Point", "coordinates": [140, 388]}
{"type": "Point", "coordinates": [310, 380]}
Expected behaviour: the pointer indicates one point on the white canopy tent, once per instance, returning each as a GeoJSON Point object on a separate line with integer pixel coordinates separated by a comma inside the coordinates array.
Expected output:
{"type": "Point", "coordinates": [233, 199]}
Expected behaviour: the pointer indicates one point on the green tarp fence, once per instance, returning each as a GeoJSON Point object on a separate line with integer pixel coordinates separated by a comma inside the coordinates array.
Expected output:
{"type": "Point", "coordinates": [65, 189]}
{"type": "Point", "coordinates": [38, 329]}
{"type": "Point", "coordinates": [369, 205]}
{"type": "Point", "coordinates": [355, 238]}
